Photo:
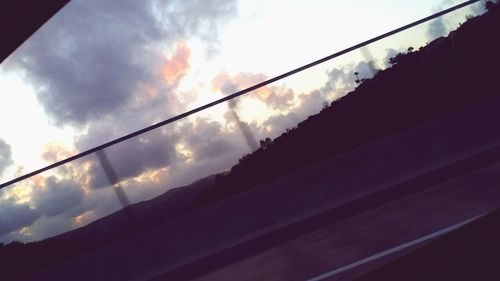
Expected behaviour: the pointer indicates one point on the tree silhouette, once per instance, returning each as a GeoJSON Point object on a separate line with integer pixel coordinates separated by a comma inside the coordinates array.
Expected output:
{"type": "Point", "coordinates": [264, 144]}
{"type": "Point", "coordinates": [325, 105]}
{"type": "Point", "coordinates": [358, 81]}
{"type": "Point", "coordinates": [490, 5]}
{"type": "Point", "coordinates": [397, 58]}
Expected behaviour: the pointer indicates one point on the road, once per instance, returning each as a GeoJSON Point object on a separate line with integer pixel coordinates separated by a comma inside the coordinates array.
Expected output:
{"type": "Point", "coordinates": [394, 250]}
{"type": "Point", "coordinates": [369, 233]}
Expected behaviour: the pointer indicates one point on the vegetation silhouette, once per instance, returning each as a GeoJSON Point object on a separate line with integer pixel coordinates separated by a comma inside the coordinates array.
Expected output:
{"type": "Point", "coordinates": [421, 85]}
{"type": "Point", "coordinates": [445, 75]}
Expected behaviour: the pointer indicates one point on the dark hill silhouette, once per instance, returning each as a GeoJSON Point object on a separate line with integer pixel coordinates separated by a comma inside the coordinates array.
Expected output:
{"type": "Point", "coordinates": [447, 74]}
{"type": "Point", "coordinates": [23, 258]}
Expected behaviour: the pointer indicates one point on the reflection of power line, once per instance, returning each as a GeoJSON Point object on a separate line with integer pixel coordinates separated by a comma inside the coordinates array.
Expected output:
{"type": "Point", "coordinates": [244, 128]}
{"type": "Point", "coordinates": [237, 94]}
{"type": "Point", "coordinates": [114, 181]}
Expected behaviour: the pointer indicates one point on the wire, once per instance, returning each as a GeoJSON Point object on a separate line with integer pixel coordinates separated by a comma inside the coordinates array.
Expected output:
{"type": "Point", "coordinates": [237, 94]}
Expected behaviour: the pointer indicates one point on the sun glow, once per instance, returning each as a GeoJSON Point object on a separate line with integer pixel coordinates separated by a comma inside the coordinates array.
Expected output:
{"type": "Point", "coordinates": [184, 152]}
{"type": "Point", "coordinates": [26, 231]}
{"type": "Point", "coordinates": [151, 176]}
{"type": "Point", "coordinates": [177, 64]}
{"type": "Point", "coordinates": [19, 194]}
{"type": "Point", "coordinates": [83, 218]}
{"type": "Point", "coordinates": [30, 132]}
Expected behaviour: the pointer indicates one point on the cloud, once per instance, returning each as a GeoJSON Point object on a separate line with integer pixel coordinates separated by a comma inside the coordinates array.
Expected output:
{"type": "Point", "coordinates": [390, 53]}
{"type": "Point", "coordinates": [57, 196]}
{"type": "Point", "coordinates": [279, 123]}
{"type": "Point", "coordinates": [21, 208]}
{"type": "Point", "coordinates": [207, 140]}
{"type": "Point", "coordinates": [102, 66]}
{"type": "Point", "coordinates": [341, 80]}
{"type": "Point", "coordinates": [437, 28]}
{"type": "Point", "coordinates": [92, 57]}
{"type": "Point", "coordinates": [152, 151]}
{"type": "Point", "coordinates": [338, 78]}
{"type": "Point", "coordinates": [99, 65]}
{"type": "Point", "coordinates": [174, 155]}
{"type": "Point", "coordinates": [480, 7]}
{"type": "Point", "coordinates": [43, 207]}
{"type": "Point", "coordinates": [291, 107]}
{"type": "Point", "coordinates": [177, 65]}
{"type": "Point", "coordinates": [14, 216]}
{"type": "Point", "coordinates": [5, 156]}
{"type": "Point", "coordinates": [102, 62]}
{"type": "Point", "coordinates": [43, 227]}
{"type": "Point", "coordinates": [273, 96]}
{"type": "Point", "coordinates": [213, 147]}
{"type": "Point", "coordinates": [54, 151]}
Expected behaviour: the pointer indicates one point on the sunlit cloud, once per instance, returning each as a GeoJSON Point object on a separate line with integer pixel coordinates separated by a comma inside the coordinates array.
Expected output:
{"type": "Point", "coordinates": [260, 104]}
{"type": "Point", "coordinates": [177, 64]}
{"type": "Point", "coordinates": [184, 152]}
{"type": "Point", "coordinates": [55, 151]}
{"type": "Point", "coordinates": [19, 194]}
{"type": "Point", "coordinates": [84, 218]}
{"type": "Point", "coordinates": [25, 231]}
{"type": "Point", "coordinates": [151, 176]}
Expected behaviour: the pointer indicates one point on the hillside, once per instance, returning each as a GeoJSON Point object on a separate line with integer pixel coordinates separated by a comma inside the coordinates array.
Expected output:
{"type": "Point", "coordinates": [447, 74]}
{"type": "Point", "coordinates": [443, 76]}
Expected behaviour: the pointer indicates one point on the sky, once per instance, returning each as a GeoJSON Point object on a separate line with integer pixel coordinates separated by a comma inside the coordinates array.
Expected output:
{"type": "Point", "coordinates": [98, 70]}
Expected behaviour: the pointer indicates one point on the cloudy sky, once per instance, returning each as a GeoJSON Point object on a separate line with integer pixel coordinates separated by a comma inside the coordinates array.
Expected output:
{"type": "Point", "coordinates": [101, 69]}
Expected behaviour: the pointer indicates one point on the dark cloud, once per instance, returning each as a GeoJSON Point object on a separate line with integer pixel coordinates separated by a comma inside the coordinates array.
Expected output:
{"type": "Point", "coordinates": [99, 65]}
{"type": "Point", "coordinates": [15, 216]}
{"type": "Point", "coordinates": [311, 103]}
{"type": "Point", "coordinates": [207, 140]}
{"type": "Point", "coordinates": [281, 122]}
{"type": "Point", "coordinates": [437, 28]}
{"type": "Point", "coordinates": [97, 61]}
{"type": "Point", "coordinates": [99, 202]}
{"type": "Point", "coordinates": [337, 77]}
{"type": "Point", "coordinates": [45, 227]}
{"type": "Point", "coordinates": [51, 198]}
{"type": "Point", "coordinates": [5, 156]}
{"type": "Point", "coordinates": [366, 69]}
{"type": "Point", "coordinates": [211, 155]}
{"type": "Point", "coordinates": [131, 158]}
{"type": "Point", "coordinates": [57, 196]}
{"type": "Point", "coordinates": [90, 59]}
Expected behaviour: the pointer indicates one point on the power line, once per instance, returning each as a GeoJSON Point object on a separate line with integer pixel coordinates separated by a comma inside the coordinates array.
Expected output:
{"type": "Point", "coordinates": [237, 94]}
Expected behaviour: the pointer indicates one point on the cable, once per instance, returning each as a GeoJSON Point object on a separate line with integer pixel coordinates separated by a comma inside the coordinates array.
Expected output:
{"type": "Point", "coordinates": [237, 94]}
